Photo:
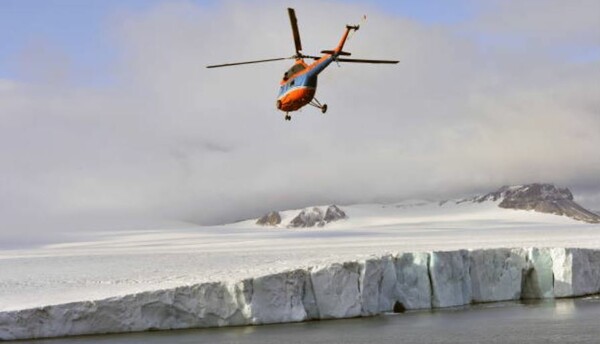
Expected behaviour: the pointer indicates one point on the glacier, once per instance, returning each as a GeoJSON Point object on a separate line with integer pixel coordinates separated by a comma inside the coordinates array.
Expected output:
{"type": "Point", "coordinates": [496, 275]}
{"type": "Point", "coordinates": [365, 287]}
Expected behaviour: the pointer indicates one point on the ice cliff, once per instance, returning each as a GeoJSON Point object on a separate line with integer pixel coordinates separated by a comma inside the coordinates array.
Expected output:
{"type": "Point", "coordinates": [390, 283]}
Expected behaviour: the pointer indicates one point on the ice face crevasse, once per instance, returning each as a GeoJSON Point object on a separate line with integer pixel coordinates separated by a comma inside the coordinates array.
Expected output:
{"type": "Point", "coordinates": [538, 278]}
{"type": "Point", "coordinates": [413, 289]}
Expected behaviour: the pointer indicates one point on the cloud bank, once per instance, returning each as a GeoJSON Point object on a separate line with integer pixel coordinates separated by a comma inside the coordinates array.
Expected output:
{"type": "Point", "coordinates": [497, 99]}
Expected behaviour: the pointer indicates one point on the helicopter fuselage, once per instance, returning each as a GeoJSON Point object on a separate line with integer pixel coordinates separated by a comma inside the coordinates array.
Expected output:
{"type": "Point", "coordinates": [299, 84]}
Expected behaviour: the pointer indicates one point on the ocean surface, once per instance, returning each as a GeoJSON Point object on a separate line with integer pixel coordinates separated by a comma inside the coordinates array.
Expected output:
{"type": "Point", "coordinates": [557, 321]}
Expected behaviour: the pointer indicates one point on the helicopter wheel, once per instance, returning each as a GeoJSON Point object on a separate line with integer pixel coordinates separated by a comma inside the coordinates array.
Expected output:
{"type": "Point", "coordinates": [288, 117]}
{"type": "Point", "coordinates": [324, 108]}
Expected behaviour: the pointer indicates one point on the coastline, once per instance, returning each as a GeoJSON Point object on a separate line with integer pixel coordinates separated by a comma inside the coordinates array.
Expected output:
{"type": "Point", "coordinates": [367, 287]}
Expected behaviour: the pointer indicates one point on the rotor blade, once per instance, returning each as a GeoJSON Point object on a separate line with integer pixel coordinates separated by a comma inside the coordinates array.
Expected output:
{"type": "Point", "coordinates": [295, 31]}
{"type": "Point", "coordinates": [367, 61]}
{"type": "Point", "coordinates": [310, 57]}
{"type": "Point", "coordinates": [248, 62]}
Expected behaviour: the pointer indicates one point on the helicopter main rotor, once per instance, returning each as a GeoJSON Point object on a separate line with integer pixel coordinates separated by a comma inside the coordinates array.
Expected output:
{"type": "Point", "coordinates": [297, 44]}
{"type": "Point", "coordinates": [298, 47]}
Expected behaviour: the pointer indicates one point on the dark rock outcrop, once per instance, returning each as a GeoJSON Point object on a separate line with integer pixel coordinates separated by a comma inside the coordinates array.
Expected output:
{"type": "Point", "coordinates": [334, 213]}
{"type": "Point", "coordinates": [315, 217]}
{"type": "Point", "coordinates": [308, 218]}
{"type": "Point", "coordinates": [271, 219]}
{"type": "Point", "coordinates": [543, 198]}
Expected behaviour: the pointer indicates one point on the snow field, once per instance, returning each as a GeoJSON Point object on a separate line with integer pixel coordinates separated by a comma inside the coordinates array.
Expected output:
{"type": "Point", "coordinates": [365, 287]}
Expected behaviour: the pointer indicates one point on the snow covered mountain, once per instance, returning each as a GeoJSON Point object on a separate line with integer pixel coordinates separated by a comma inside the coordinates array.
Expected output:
{"type": "Point", "coordinates": [540, 198]}
{"type": "Point", "coordinates": [543, 198]}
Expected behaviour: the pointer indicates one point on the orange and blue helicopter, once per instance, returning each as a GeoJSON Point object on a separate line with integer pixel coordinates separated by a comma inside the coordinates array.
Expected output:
{"type": "Point", "coordinates": [299, 83]}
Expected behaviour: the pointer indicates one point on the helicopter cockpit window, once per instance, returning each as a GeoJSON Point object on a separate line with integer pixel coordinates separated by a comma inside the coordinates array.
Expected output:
{"type": "Point", "coordinates": [297, 68]}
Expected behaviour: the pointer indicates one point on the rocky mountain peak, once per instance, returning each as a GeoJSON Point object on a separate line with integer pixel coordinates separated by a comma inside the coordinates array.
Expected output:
{"type": "Point", "coordinates": [334, 213]}
{"type": "Point", "coordinates": [315, 217]}
{"type": "Point", "coordinates": [528, 193]}
{"type": "Point", "coordinates": [270, 219]}
{"type": "Point", "coordinates": [543, 198]}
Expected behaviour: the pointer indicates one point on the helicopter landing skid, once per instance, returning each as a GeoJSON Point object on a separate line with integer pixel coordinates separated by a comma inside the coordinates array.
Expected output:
{"type": "Point", "coordinates": [316, 103]}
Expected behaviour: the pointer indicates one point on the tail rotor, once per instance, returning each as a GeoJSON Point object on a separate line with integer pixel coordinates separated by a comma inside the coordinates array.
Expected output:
{"type": "Point", "coordinates": [363, 20]}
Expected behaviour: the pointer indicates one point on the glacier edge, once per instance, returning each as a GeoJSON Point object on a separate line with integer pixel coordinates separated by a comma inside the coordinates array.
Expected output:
{"type": "Point", "coordinates": [378, 284]}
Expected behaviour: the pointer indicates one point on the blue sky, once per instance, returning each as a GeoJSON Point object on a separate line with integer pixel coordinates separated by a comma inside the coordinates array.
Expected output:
{"type": "Point", "coordinates": [80, 29]}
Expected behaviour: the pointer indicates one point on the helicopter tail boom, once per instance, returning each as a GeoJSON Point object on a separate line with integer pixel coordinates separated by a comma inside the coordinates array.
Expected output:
{"type": "Point", "coordinates": [340, 46]}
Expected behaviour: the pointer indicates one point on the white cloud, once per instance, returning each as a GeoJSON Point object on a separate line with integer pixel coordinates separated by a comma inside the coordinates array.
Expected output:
{"type": "Point", "coordinates": [7, 85]}
{"type": "Point", "coordinates": [174, 140]}
{"type": "Point", "coordinates": [548, 21]}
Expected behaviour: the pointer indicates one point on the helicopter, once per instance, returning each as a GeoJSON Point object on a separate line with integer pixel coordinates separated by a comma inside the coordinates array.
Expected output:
{"type": "Point", "coordinates": [299, 83]}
